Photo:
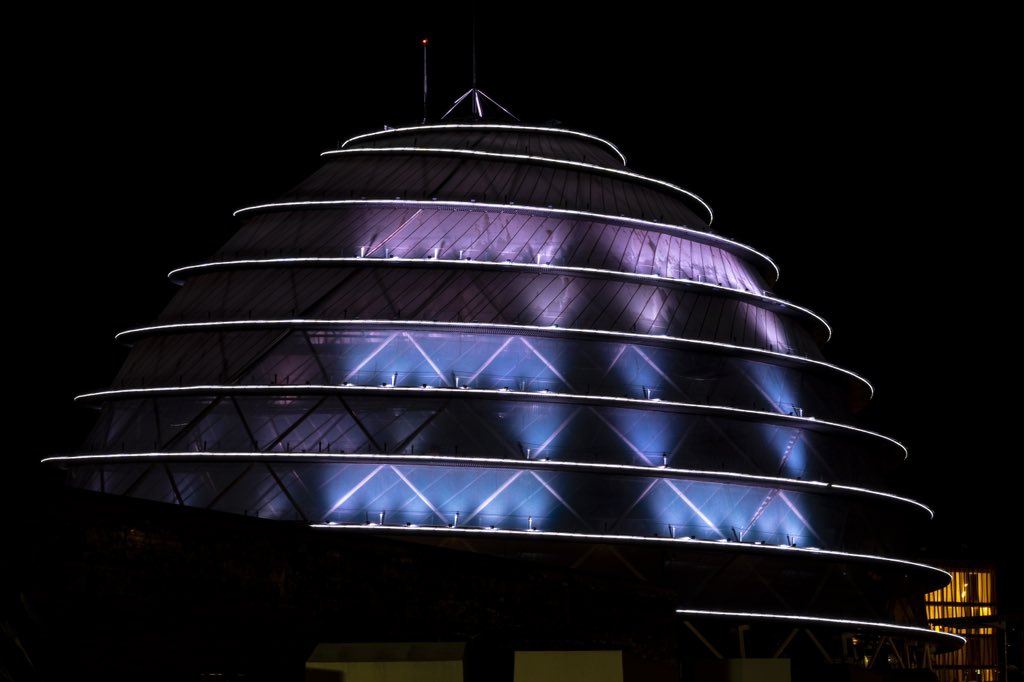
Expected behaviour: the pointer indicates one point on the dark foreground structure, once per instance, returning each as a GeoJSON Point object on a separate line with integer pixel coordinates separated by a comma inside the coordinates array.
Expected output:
{"type": "Point", "coordinates": [494, 387]}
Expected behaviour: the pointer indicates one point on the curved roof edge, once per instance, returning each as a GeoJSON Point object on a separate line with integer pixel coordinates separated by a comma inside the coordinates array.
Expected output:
{"type": "Point", "coordinates": [489, 126]}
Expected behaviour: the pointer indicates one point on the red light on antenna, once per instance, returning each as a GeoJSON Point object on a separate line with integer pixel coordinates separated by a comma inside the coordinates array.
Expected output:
{"type": "Point", "coordinates": [424, 41]}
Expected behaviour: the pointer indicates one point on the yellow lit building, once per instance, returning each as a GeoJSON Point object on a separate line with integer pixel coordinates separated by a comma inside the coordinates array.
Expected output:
{"type": "Point", "coordinates": [962, 607]}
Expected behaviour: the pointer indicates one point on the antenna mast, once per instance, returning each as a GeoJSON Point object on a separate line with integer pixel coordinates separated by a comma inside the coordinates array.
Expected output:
{"type": "Point", "coordinates": [474, 93]}
{"type": "Point", "coordinates": [477, 109]}
{"type": "Point", "coordinates": [424, 81]}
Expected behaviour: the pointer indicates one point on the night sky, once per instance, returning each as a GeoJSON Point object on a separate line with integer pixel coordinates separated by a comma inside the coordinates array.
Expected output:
{"type": "Point", "coordinates": [843, 154]}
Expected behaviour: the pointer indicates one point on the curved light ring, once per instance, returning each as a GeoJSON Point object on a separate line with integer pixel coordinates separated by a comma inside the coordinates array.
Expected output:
{"type": "Point", "coordinates": [824, 621]}
{"type": "Point", "coordinates": [525, 157]}
{"type": "Point", "coordinates": [640, 539]}
{"type": "Point", "coordinates": [589, 536]}
{"type": "Point", "coordinates": [657, 280]}
{"type": "Point", "coordinates": [497, 463]}
{"type": "Point", "coordinates": [868, 491]}
{"type": "Point", "coordinates": [699, 235]}
{"type": "Point", "coordinates": [486, 327]}
{"type": "Point", "coordinates": [486, 126]}
{"type": "Point", "coordinates": [300, 389]}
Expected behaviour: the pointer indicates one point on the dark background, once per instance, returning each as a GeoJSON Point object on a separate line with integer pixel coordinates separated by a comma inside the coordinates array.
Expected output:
{"type": "Point", "coordinates": [852, 149]}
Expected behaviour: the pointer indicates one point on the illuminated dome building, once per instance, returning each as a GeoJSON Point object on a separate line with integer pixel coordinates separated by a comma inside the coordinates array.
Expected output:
{"type": "Point", "coordinates": [499, 335]}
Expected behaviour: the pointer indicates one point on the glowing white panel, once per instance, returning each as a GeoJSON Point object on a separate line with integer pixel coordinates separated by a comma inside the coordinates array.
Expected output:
{"type": "Point", "coordinates": [477, 264]}
{"type": "Point", "coordinates": [821, 619]}
{"type": "Point", "coordinates": [525, 157]}
{"type": "Point", "coordinates": [271, 389]}
{"type": "Point", "coordinates": [493, 496]}
{"type": "Point", "coordinates": [470, 326]}
{"type": "Point", "coordinates": [488, 126]}
{"type": "Point", "coordinates": [344, 498]}
{"type": "Point", "coordinates": [416, 491]}
{"type": "Point", "coordinates": [695, 509]}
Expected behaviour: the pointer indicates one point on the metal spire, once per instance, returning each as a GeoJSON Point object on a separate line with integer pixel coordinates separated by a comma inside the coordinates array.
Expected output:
{"type": "Point", "coordinates": [474, 93]}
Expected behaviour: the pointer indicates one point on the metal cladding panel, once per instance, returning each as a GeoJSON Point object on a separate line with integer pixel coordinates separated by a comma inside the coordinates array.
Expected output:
{"type": "Point", "coordinates": [448, 177]}
{"type": "Point", "coordinates": [411, 230]}
{"type": "Point", "coordinates": [169, 360]}
{"type": "Point", "coordinates": [491, 294]}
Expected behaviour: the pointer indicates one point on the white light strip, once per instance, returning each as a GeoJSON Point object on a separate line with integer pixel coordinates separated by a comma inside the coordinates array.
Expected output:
{"type": "Point", "coordinates": [646, 405]}
{"type": "Point", "coordinates": [644, 339]}
{"type": "Point", "coordinates": [524, 157]}
{"type": "Point", "coordinates": [481, 264]}
{"type": "Point", "coordinates": [821, 619]}
{"type": "Point", "coordinates": [600, 536]}
{"type": "Point", "coordinates": [899, 498]}
{"type": "Point", "coordinates": [699, 235]}
{"type": "Point", "coordinates": [492, 462]}
{"type": "Point", "coordinates": [487, 126]}
{"type": "Point", "coordinates": [770, 549]}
